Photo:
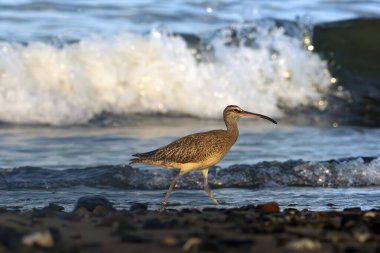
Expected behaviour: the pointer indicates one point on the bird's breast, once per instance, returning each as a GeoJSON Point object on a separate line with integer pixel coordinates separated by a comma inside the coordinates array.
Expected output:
{"type": "Point", "coordinates": [202, 164]}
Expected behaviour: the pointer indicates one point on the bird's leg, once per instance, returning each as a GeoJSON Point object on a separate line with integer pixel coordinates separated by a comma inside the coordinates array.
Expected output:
{"type": "Point", "coordinates": [171, 187]}
{"type": "Point", "coordinates": [205, 177]}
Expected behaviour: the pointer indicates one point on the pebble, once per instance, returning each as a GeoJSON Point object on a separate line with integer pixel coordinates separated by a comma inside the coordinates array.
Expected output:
{"type": "Point", "coordinates": [101, 211]}
{"type": "Point", "coordinates": [304, 244]}
{"type": "Point", "coordinates": [270, 207]}
{"type": "Point", "coordinates": [337, 236]}
{"type": "Point", "coordinates": [135, 238]}
{"type": "Point", "coordinates": [82, 212]}
{"type": "Point", "coordinates": [352, 209]}
{"type": "Point", "coordinates": [291, 211]}
{"type": "Point", "coordinates": [192, 244]}
{"type": "Point", "coordinates": [361, 234]}
{"type": "Point", "coordinates": [10, 238]}
{"type": "Point", "coordinates": [53, 208]}
{"type": "Point", "coordinates": [370, 214]}
{"type": "Point", "coordinates": [170, 241]}
{"type": "Point", "coordinates": [137, 207]}
{"type": "Point", "coordinates": [153, 224]}
{"type": "Point", "coordinates": [91, 202]}
{"type": "Point", "coordinates": [43, 239]}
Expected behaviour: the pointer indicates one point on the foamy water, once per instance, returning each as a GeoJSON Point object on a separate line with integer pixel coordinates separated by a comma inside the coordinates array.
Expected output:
{"type": "Point", "coordinates": [127, 74]}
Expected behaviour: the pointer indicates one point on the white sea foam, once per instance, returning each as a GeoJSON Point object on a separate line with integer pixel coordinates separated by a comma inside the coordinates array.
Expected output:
{"type": "Point", "coordinates": [40, 83]}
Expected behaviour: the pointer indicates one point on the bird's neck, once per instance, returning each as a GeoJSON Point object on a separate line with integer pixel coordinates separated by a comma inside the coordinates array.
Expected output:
{"type": "Point", "coordinates": [232, 130]}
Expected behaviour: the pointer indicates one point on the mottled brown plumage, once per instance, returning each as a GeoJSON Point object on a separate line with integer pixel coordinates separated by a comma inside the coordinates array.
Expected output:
{"type": "Point", "coordinates": [198, 151]}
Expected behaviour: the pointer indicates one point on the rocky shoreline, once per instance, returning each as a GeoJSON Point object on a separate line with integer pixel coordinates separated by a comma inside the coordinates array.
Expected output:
{"type": "Point", "coordinates": [95, 226]}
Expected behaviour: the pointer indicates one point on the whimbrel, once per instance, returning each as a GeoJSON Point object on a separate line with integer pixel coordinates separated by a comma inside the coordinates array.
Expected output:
{"type": "Point", "coordinates": [198, 151]}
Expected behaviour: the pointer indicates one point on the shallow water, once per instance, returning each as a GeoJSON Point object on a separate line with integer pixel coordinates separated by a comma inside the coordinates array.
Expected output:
{"type": "Point", "coordinates": [314, 199]}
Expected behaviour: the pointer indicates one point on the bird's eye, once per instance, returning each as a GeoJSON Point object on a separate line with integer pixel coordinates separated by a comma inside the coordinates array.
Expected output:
{"type": "Point", "coordinates": [236, 110]}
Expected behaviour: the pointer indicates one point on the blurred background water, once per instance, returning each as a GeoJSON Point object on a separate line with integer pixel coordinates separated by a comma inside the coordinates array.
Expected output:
{"type": "Point", "coordinates": [88, 83]}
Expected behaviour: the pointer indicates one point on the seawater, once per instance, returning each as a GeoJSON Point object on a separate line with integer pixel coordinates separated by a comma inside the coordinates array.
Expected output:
{"type": "Point", "coordinates": [84, 85]}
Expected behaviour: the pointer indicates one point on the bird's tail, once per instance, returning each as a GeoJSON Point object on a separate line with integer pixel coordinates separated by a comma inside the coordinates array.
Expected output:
{"type": "Point", "coordinates": [135, 160]}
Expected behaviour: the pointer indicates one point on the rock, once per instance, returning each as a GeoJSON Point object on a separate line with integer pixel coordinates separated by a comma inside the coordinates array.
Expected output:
{"type": "Point", "coordinates": [353, 209]}
{"type": "Point", "coordinates": [270, 207]}
{"type": "Point", "coordinates": [53, 208]}
{"type": "Point", "coordinates": [101, 211]}
{"type": "Point", "coordinates": [135, 238]}
{"type": "Point", "coordinates": [42, 239]}
{"type": "Point", "coordinates": [236, 242]}
{"type": "Point", "coordinates": [10, 238]}
{"type": "Point", "coordinates": [120, 222]}
{"type": "Point", "coordinates": [304, 244]}
{"type": "Point", "coordinates": [247, 208]}
{"type": "Point", "coordinates": [91, 202]}
{"type": "Point", "coordinates": [361, 234]}
{"type": "Point", "coordinates": [192, 244]}
{"type": "Point", "coordinates": [338, 237]}
{"type": "Point", "coordinates": [158, 224]}
{"type": "Point", "coordinates": [153, 224]}
{"type": "Point", "coordinates": [82, 212]}
{"type": "Point", "coordinates": [137, 207]}
{"type": "Point", "coordinates": [210, 209]}
{"type": "Point", "coordinates": [370, 214]}
{"type": "Point", "coordinates": [211, 245]}
{"type": "Point", "coordinates": [169, 241]}
{"type": "Point", "coordinates": [353, 249]}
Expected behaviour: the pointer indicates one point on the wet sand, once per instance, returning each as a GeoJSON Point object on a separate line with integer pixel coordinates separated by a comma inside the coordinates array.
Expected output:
{"type": "Point", "coordinates": [95, 226]}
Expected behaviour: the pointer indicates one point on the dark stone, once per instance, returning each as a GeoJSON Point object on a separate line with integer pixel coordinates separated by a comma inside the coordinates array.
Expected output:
{"type": "Point", "coordinates": [135, 238]}
{"type": "Point", "coordinates": [352, 249]}
{"type": "Point", "coordinates": [55, 234]}
{"type": "Point", "coordinates": [10, 238]}
{"type": "Point", "coordinates": [375, 225]}
{"type": "Point", "coordinates": [91, 202]}
{"type": "Point", "coordinates": [210, 209]}
{"type": "Point", "coordinates": [270, 207]}
{"type": "Point", "coordinates": [353, 209]}
{"type": "Point", "coordinates": [211, 245]}
{"type": "Point", "coordinates": [153, 224]}
{"type": "Point", "coordinates": [158, 224]}
{"type": "Point", "coordinates": [137, 207]}
{"type": "Point", "coordinates": [53, 208]}
{"type": "Point", "coordinates": [101, 211]}
{"type": "Point", "coordinates": [247, 208]}
{"type": "Point", "coordinates": [38, 213]}
{"type": "Point", "coordinates": [236, 242]}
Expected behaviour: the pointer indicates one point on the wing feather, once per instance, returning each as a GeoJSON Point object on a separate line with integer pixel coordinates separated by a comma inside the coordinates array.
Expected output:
{"type": "Point", "coordinates": [190, 148]}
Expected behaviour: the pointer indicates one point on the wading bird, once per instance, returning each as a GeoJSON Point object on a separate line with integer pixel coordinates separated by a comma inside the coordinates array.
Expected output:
{"type": "Point", "coordinates": [198, 151]}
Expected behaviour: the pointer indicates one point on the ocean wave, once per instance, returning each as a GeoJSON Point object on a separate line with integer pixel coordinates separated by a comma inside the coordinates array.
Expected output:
{"type": "Point", "coordinates": [160, 73]}
{"type": "Point", "coordinates": [348, 172]}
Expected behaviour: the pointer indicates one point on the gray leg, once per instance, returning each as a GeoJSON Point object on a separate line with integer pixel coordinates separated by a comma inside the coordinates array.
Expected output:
{"type": "Point", "coordinates": [205, 177]}
{"type": "Point", "coordinates": [171, 187]}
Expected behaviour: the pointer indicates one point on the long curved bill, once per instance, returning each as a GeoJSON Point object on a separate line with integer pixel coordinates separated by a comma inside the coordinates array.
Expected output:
{"type": "Point", "coordinates": [245, 113]}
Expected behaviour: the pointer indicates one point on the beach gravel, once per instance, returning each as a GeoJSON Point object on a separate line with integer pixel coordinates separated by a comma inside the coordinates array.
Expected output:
{"type": "Point", "coordinates": [95, 226]}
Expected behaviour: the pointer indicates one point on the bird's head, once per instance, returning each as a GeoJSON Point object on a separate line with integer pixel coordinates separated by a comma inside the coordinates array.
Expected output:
{"type": "Point", "coordinates": [234, 112]}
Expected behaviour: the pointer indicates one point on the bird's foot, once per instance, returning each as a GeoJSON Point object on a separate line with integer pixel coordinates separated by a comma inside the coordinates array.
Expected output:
{"type": "Point", "coordinates": [163, 208]}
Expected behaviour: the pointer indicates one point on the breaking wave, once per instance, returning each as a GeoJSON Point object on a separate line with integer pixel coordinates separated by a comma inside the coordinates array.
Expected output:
{"type": "Point", "coordinates": [128, 74]}
{"type": "Point", "coordinates": [348, 172]}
